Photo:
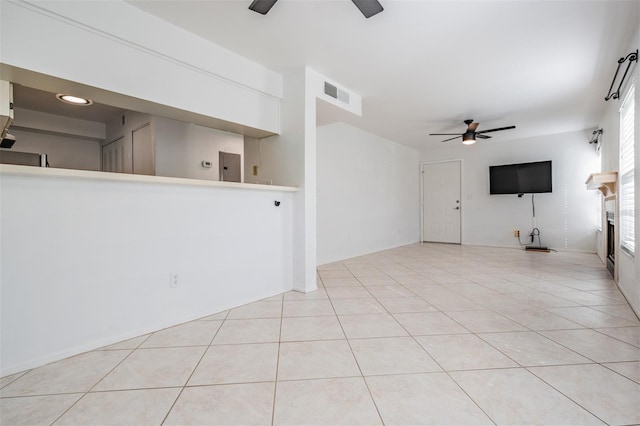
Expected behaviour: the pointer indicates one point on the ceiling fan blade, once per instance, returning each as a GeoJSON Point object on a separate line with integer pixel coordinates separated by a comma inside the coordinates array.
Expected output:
{"type": "Point", "coordinates": [472, 127]}
{"type": "Point", "coordinates": [262, 6]}
{"type": "Point", "coordinates": [450, 139]}
{"type": "Point", "coordinates": [482, 136]}
{"type": "Point", "coordinates": [444, 134]}
{"type": "Point", "coordinates": [497, 129]}
{"type": "Point", "coordinates": [368, 7]}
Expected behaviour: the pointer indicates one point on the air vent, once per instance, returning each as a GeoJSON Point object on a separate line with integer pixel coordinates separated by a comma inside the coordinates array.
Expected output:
{"type": "Point", "coordinates": [331, 90]}
{"type": "Point", "coordinates": [334, 92]}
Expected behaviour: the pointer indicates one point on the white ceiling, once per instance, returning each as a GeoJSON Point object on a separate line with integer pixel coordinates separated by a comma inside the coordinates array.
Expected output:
{"type": "Point", "coordinates": [425, 66]}
{"type": "Point", "coordinates": [43, 101]}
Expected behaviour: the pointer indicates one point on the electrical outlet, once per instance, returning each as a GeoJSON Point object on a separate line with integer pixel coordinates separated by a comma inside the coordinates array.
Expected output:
{"type": "Point", "coordinates": [516, 233]}
{"type": "Point", "coordinates": [173, 280]}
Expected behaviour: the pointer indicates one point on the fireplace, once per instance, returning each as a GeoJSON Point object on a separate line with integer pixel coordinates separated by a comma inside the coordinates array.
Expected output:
{"type": "Point", "coordinates": [611, 242]}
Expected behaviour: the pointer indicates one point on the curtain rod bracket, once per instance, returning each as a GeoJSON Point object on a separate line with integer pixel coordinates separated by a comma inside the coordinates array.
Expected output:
{"type": "Point", "coordinates": [631, 57]}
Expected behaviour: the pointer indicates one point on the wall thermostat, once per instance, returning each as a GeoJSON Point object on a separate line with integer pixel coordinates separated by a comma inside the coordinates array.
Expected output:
{"type": "Point", "coordinates": [207, 164]}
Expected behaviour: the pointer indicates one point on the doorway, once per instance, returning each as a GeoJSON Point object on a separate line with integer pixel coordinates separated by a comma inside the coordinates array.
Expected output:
{"type": "Point", "coordinates": [441, 202]}
{"type": "Point", "coordinates": [230, 167]}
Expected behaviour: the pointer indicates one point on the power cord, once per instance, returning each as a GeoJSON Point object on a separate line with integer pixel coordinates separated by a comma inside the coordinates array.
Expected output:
{"type": "Point", "coordinates": [535, 232]}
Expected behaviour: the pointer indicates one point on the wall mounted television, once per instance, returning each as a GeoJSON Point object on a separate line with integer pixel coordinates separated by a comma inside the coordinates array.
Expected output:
{"type": "Point", "coordinates": [523, 178]}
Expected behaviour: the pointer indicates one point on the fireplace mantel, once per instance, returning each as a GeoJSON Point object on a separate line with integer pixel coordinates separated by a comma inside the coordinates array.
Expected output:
{"type": "Point", "coordinates": [605, 183]}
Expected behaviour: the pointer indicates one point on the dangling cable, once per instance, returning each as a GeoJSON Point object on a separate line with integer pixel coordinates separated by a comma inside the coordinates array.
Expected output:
{"type": "Point", "coordinates": [533, 205]}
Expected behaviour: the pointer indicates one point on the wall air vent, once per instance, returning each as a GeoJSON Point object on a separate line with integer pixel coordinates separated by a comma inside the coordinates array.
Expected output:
{"type": "Point", "coordinates": [334, 92]}
{"type": "Point", "coordinates": [331, 90]}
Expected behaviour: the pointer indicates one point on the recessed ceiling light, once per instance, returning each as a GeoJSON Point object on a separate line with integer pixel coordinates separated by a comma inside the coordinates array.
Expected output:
{"type": "Point", "coordinates": [74, 100]}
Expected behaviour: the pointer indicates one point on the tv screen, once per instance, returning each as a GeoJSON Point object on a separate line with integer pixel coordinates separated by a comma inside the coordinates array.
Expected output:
{"type": "Point", "coordinates": [523, 178]}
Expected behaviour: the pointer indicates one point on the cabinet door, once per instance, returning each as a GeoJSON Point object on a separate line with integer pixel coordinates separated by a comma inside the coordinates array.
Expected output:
{"type": "Point", "coordinates": [113, 157]}
{"type": "Point", "coordinates": [143, 151]}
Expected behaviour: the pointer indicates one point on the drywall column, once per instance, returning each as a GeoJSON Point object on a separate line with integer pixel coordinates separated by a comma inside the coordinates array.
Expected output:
{"type": "Point", "coordinates": [291, 157]}
{"type": "Point", "coordinates": [285, 158]}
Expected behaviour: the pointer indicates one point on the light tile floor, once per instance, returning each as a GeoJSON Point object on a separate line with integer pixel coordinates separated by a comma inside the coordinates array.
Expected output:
{"type": "Point", "coordinates": [422, 334]}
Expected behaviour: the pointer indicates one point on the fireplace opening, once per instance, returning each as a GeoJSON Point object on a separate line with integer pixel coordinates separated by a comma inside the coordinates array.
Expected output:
{"type": "Point", "coordinates": [611, 244]}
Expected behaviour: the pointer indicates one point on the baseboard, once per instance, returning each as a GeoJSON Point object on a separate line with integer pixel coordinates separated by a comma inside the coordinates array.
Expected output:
{"type": "Point", "coordinates": [522, 248]}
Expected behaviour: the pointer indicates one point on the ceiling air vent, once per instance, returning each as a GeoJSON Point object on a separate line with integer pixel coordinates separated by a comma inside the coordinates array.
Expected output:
{"type": "Point", "coordinates": [334, 92]}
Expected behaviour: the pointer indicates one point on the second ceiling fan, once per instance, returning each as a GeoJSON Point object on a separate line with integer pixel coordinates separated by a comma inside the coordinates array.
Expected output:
{"type": "Point", "coordinates": [470, 135]}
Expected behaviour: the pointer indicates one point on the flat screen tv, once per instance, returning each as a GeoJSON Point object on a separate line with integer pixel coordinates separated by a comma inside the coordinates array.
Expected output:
{"type": "Point", "coordinates": [523, 178]}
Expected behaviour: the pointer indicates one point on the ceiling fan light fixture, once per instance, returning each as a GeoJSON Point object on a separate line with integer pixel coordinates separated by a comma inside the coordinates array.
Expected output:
{"type": "Point", "coordinates": [262, 6]}
{"type": "Point", "coordinates": [469, 138]}
{"type": "Point", "coordinates": [368, 7]}
{"type": "Point", "coordinates": [73, 100]}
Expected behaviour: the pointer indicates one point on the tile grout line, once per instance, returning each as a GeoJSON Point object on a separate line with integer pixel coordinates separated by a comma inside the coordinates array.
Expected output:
{"type": "Point", "coordinates": [566, 396]}
{"type": "Point", "coordinates": [408, 265]}
{"type": "Point", "coordinates": [440, 366]}
{"type": "Point", "coordinates": [275, 380]}
{"type": "Point", "coordinates": [364, 380]}
{"type": "Point", "coordinates": [183, 387]}
{"type": "Point", "coordinates": [131, 351]}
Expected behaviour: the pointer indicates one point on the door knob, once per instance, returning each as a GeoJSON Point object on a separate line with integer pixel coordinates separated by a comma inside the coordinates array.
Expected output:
{"type": "Point", "coordinates": [457, 208]}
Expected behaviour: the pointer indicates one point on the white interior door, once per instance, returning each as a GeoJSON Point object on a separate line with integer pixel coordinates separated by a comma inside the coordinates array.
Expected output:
{"type": "Point", "coordinates": [441, 203]}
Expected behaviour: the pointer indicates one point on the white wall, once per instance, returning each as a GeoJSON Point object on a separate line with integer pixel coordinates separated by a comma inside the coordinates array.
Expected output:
{"type": "Point", "coordinates": [291, 159]}
{"type": "Point", "coordinates": [252, 157]}
{"type": "Point", "coordinates": [86, 262]}
{"type": "Point", "coordinates": [152, 65]}
{"type": "Point", "coordinates": [627, 267]}
{"type": "Point", "coordinates": [181, 148]}
{"type": "Point", "coordinates": [42, 121]}
{"type": "Point", "coordinates": [286, 161]}
{"type": "Point", "coordinates": [62, 151]}
{"type": "Point", "coordinates": [567, 217]}
{"type": "Point", "coordinates": [368, 193]}
{"type": "Point", "coordinates": [69, 143]}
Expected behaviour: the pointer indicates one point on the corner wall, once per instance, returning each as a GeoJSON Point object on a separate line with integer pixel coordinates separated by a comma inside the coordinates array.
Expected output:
{"type": "Point", "coordinates": [368, 193]}
{"type": "Point", "coordinates": [627, 266]}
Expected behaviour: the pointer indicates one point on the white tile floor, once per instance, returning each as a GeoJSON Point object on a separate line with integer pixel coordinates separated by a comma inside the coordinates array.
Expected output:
{"type": "Point", "coordinates": [423, 334]}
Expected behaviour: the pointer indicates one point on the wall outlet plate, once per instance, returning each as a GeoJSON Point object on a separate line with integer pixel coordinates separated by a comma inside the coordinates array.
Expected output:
{"type": "Point", "coordinates": [207, 164]}
{"type": "Point", "coordinates": [173, 280]}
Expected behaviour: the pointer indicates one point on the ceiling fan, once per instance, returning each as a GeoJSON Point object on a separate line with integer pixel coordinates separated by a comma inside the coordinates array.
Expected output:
{"type": "Point", "coordinates": [470, 135]}
{"type": "Point", "coordinates": [367, 7]}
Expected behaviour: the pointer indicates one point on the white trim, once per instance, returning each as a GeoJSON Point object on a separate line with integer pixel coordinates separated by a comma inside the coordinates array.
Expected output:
{"type": "Point", "coordinates": [143, 49]}
{"type": "Point", "coordinates": [627, 233]}
{"type": "Point", "coordinates": [552, 250]}
{"type": "Point", "coordinates": [10, 169]}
